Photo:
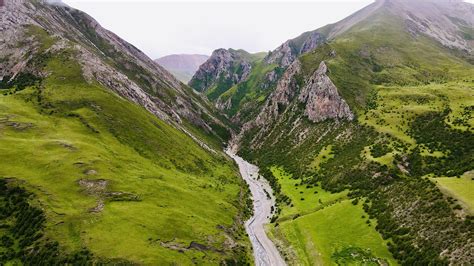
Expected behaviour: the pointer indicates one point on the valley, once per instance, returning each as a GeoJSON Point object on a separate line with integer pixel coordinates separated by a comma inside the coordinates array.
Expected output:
{"type": "Point", "coordinates": [350, 144]}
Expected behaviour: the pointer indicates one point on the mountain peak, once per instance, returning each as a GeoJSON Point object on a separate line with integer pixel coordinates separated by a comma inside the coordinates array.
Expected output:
{"type": "Point", "coordinates": [221, 66]}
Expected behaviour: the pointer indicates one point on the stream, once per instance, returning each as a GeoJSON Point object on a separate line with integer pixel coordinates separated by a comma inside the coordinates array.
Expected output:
{"type": "Point", "coordinates": [265, 251]}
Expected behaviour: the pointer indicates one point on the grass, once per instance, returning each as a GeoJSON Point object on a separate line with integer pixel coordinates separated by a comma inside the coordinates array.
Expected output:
{"type": "Point", "coordinates": [313, 230]}
{"type": "Point", "coordinates": [386, 159]}
{"type": "Point", "coordinates": [461, 188]}
{"type": "Point", "coordinates": [323, 156]}
{"type": "Point", "coordinates": [53, 136]}
{"type": "Point", "coordinates": [249, 90]}
{"type": "Point", "coordinates": [304, 199]}
{"type": "Point", "coordinates": [398, 105]}
{"type": "Point", "coordinates": [317, 236]}
{"type": "Point", "coordinates": [375, 53]}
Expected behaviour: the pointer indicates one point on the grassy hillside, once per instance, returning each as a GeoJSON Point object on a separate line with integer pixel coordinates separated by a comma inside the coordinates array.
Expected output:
{"type": "Point", "coordinates": [376, 52]}
{"type": "Point", "coordinates": [459, 191]}
{"type": "Point", "coordinates": [319, 227]}
{"type": "Point", "coordinates": [247, 97]}
{"type": "Point", "coordinates": [113, 182]}
{"type": "Point", "coordinates": [413, 104]}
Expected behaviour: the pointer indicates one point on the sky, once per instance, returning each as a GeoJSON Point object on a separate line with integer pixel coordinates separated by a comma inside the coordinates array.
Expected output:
{"type": "Point", "coordinates": [163, 27]}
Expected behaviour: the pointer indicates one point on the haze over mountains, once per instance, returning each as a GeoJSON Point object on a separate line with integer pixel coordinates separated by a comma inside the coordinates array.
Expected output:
{"type": "Point", "coordinates": [182, 66]}
{"type": "Point", "coordinates": [363, 129]}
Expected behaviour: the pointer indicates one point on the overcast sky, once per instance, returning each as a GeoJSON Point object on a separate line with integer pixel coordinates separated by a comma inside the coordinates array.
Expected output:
{"type": "Point", "coordinates": [160, 27]}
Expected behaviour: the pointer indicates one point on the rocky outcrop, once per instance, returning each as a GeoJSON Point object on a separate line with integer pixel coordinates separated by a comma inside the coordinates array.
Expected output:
{"type": "Point", "coordinates": [284, 93]}
{"type": "Point", "coordinates": [226, 67]}
{"type": "Point", "coordinates": [312, 41]}
{"type": "Point", "coordinates": [322, 99]}
{"type": "Point", "coordinates": [318, 96]}
{"type": "Point", "coordinates": [283, 55]}
{"type": "Point", "coordinates": [224, 103]}
{"type": "Point", "coordinates": [286, 53]}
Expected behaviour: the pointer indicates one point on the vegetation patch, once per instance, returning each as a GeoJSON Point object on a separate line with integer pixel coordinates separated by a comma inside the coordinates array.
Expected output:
{"type": "Point", "coordinates": [460, 188]}
{"type": "Point", "coordinates": [356, 256]}
{"type": "Point", "coordinates": [318, 224]}
{"type": "Point", "coordinates": [22, 238]}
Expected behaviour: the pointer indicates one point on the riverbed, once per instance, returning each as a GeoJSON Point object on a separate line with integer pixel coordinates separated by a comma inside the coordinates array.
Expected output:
{"type": "Point", "coordinates": [265, 251]}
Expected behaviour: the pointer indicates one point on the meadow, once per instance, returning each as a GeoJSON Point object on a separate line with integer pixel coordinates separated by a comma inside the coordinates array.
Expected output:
{"type": "Point", "coordinates": [319, 227]}
{"type": "Point", "coordinates": [462, 189]}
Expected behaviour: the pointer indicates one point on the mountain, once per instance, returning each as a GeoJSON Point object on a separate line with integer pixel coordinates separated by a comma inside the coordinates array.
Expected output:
{"type": "Point", "coordinates": [106, 157]}
{"type": "Point", "coordinates": [447, 22]}
{"type": "Point", "coordinates": [225, 69]}
{"type": "Point", "coordinates": [182, 66]}
{"type": "Point", "coordinates": [363, 128]}
{"type": "Point", "coordinates": [364, 118]}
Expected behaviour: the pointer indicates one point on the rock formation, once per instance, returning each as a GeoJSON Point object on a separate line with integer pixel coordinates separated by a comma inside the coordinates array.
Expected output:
{"type": "Point", "coordinates": [228, 67]}
{"type": "Point", "coordinates": [322, 98]}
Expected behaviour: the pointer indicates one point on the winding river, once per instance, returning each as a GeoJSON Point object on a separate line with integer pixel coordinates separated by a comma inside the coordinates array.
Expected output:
{"type": "Point", "coordinates": [265, 251]}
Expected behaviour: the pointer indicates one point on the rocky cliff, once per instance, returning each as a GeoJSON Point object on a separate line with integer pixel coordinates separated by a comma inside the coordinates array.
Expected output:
{"type": "Point", "coordinates": [316, 98]}
{"type": "Point", "coordinates": [286, 53]}
{"type": "Point", "coordinates": [322, 99]}
{"type": "Point", "coordinates": [224, 66]}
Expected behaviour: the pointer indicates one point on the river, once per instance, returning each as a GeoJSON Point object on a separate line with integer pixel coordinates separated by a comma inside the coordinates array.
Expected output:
{"type": "Point", "coordinates": [265, 251]}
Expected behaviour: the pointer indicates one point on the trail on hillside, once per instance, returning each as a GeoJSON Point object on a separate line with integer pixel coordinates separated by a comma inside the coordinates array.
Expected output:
{"type": "Point", "coordinates": [265, 251]}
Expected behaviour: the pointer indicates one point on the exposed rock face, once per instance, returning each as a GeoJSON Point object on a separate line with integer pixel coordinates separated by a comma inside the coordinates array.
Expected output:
{"type": "Point", "coordinates": [318, 95]}
{"type": "Point", "coordinates": [447, 22]}
{"type": "Point", "coordinates": [286, 53]}
{"type": "Point", "coordinates": [223, 104]}
{"type": "Point", "coordinates": [274, 106]}
{"type": "Point", "coordinates": [104, 58]}
{"type": "Point", "coordinates": [285, 91]}
{"type": "Point", "coordinates": [322, 98]}
{"type": "Point", "coordinates": [311, 42]}
{"type": "Point", "coordinates": [282, 56]}
{"type": "Point", "coordinates": [224, 66]}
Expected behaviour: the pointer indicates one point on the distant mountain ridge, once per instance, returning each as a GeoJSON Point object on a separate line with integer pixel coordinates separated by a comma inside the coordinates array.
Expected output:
{"type": "Point", "coordinates": [182, 66]}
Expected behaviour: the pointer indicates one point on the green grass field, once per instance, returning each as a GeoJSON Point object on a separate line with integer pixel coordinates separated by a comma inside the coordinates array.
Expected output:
{"type": "Point", "coordinates": [162, 192]}
{"type": "Point", "coordinates": [323, 155]}
{"type": "Point", "coordinates": [321, 228]}
{"type": "Point", "coordinates": [461, 189]}
{"type": "Point", "coordinates": [398, 105]}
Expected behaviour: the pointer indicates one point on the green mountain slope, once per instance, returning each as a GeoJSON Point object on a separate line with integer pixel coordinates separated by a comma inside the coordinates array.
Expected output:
{"type": "Point", "coordinates": [229, 75]}
{"type": "Point", "coordinates": [380, 109]}
{"type": "Point", "coordinates": [95, 168]}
